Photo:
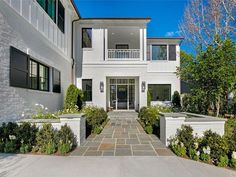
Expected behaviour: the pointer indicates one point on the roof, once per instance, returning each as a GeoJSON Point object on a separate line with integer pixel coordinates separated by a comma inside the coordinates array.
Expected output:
{"type": "Point", "coordinates": [75, 7]}
{"type": "Point", "coordinates": [177, 38]}
{"type": "Point", "coordinates": [118, 18]}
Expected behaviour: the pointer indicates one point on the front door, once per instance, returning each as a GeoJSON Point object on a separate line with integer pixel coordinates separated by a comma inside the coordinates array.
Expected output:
{"type": "Point", "coordinates": [122, 96]}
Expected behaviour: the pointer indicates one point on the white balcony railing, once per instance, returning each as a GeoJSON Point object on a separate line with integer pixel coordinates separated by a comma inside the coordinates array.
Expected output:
{"type": "Point", "coordinates": [123, 53]}
{"type": "Point", "coordinates": [37, 17]}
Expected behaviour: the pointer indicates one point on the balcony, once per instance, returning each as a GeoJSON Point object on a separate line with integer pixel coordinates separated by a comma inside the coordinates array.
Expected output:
{"type": "Point", "coordinates": [123, 54]}
{"type": "Point", "coordinates": [124, 44]}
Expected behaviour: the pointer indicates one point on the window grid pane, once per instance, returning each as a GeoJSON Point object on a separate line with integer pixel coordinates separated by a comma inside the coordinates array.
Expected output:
{"type": "Point", "coordinates": [159, 52]}
{"type": "Point", "coordinates": [87, 89]}
{"type": "Point", "coordinates": [86, 37]}
{"type": "Point", "coordinates": [160, 92]}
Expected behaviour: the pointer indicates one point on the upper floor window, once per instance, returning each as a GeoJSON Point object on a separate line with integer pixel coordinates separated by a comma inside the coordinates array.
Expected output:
{"type": "Point", "coordinates": [172, 52]}
{"type": "Point", "coordinates": [159, 52]}
{"type": "Point", "coordinates": [86, 37]}
{"type": "Point", "coordinates": [57, 13]}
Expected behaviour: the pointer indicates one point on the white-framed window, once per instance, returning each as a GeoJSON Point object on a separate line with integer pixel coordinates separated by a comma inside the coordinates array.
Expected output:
{"type": "Point", "coordinates": [162, 52]}
{"type": "Point", "coordinates": [160, 92]}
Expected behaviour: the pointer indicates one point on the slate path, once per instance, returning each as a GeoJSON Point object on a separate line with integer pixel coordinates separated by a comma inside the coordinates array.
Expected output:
{"type": "Point", "coordinates": [122, 136]}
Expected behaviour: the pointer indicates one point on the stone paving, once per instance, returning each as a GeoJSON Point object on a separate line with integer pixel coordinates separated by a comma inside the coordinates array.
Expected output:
{"type": "Point", "coordinates": [122, 136]}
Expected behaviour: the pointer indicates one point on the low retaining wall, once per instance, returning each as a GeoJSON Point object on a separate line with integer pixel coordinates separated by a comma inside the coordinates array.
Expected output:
{"type": "Point", "coordinates": [75, 121]}
{"type": "Point", "coordinates": [170, 122]}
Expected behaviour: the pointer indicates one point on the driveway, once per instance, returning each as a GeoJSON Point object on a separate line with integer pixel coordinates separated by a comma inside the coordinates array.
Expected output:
{"type": "Point", "coordinates": [58, 166]}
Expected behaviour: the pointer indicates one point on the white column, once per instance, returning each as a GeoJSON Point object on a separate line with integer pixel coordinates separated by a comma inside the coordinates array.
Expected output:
{"type": "Point", "coordinates": [106, 43]}
{"type": "Point", "coordinates": [141, 43]}
{"type": "Point", "coordinates": [145, 44]}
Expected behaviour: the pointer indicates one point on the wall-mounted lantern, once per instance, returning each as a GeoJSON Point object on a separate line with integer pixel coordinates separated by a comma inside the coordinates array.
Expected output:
{"type": "Point", "coordinates": [143, 86]}
{"type": "Point", "coordinates": [101, 87]}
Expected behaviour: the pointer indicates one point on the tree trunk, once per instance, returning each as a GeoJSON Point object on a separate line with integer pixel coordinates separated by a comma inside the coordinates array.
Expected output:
{"type": "Point", "coordinates": [218, 107]}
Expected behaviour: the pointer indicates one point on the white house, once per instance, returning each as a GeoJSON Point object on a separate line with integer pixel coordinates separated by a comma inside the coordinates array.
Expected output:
{"type": "Point", "coordinates": [35, 54]}
{"type": "Point", "coordinates": [45, 45]}
{"type": "Point", "coordinates": [116, 63]}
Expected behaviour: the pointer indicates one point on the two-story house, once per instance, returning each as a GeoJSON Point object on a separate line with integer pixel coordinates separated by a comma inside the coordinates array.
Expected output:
{"type": "Point", "coordinates": [118, 66]}
{"type": "Point", "coordinates": [45, 46]}
{"type": "Point", "coordinates": [36, 64]}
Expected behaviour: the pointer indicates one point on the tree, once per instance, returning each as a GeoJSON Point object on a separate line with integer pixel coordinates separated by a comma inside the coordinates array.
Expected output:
{"type": "Point", "coordinates": [176, 100]}
{"type": "Point", "coordinates": [73, 98]}
{"type": "Point", "coordinates": [204, 19]}
{"type": "Point", "coordinates": [212, 74]}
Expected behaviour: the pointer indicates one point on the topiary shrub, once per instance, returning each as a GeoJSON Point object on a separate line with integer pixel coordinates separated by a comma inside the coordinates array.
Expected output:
{"type": "Point", "coordinates": [66, 139]}
{"type": "Point", "coordinates": [73, 97]}
{"type": "Point", "coordinates": [218, 145]}
{"type": "Point", "coordinates": [46, 139]}
{"type": "Point", "coordinates": [95, 117]}
{"type": "Point", "coordinates": [223, 161]}
{"type": "Point", "coordinates": [185, 135]}
{"type": "Point", "coordinates": [176, 100]}
{"type": "Point", "coordinates": [26, 135]}
{"type": "Point", "coordinates": [149, 98]}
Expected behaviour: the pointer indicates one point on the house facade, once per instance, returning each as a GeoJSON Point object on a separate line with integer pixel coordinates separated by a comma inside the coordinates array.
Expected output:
{"type": "Point", "coordinates": [35, 55]}
{"type": "Point", "coordinates": [45, 46]}
{"type": "Point", "coordinates": [117, 64]}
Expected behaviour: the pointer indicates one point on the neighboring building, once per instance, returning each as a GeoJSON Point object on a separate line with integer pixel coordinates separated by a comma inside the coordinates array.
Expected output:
{"type": "Point", "coordinates": [35, 55]}
{"type": "Point", "coordinates": [117, 63]}
{"type": "Point", "coordinates": [45, 45]}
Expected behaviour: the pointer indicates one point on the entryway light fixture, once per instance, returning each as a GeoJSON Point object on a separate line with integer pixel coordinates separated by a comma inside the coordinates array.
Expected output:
{"type": "Point", "coordinates": [143, 86]}
{"type": "Point", "coordinates": [101, 87]}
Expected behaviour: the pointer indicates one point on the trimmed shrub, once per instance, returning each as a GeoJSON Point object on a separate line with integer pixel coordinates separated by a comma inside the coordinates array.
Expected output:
{"type": "Point", "coordinates": [149, 98]}
{"type": "Point", "coordinates": [176, 100]}
{"type": "Point", "coordinates": [223, 161]}
{"type": "Point", "coordinates": [233, 163]}
{"type": "Point", "coordinates": [73, 97]}
{"type": "Point", "coordinates": [95, 117]}
{"type": "Point", "coordinates": [66, 139]}
{"type": "Point", "coordinates": [148, 129]}
{"type": "Point", "coordinates": [217, 144]}
{"type": "Point", "coordinates": [178, 147]}
{"type": "Point", "coordinates": [185, 135]}
{"type": "Point", "coordinates": [205, 157]}
{"type": "Point", "coordinates": [46, 139]}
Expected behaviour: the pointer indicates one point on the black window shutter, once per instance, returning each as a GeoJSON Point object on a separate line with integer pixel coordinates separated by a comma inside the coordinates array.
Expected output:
{"type": "Point", "coordinates": [19, 68]}
{"type": "Point", "coordinates": [172, 52]}
{"type": "Point", "coordinates": [56, 81]}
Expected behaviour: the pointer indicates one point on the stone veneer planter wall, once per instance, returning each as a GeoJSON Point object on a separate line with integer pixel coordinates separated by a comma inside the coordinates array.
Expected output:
{"type": "Point", "coordinates": [75, 121]}
{"type": "Point", "coordinates": [170, 122]}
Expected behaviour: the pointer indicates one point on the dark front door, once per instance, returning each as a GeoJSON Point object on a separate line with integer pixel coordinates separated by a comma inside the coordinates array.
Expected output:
{"type": "Point", "coordinates": [122, 96]}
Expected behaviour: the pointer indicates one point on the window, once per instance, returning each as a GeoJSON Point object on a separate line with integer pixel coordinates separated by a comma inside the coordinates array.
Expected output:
{"type": "Point", "coordinates": [87, 89]}
{"type": "Point", "coordinates": [39, 76]}
{"type": "Point", "coordinates": [86, 37]}
{"type": "Point", "coordinates": [159, 52]}
{"type": "Point", "coordinates": [172, 52]}
{"type": "Point", "coordinates": [122, 46]}
{"type": "Point", "coordinates": [18, 68]}
{"type": "Point", "coordinates": [61, 17]}
{"type": "Point", "coordinates": [160, 92]}
{"type": "Point", "coordinates": [56, 81]}
{"type": "Point", "coordinates": [50, 7]}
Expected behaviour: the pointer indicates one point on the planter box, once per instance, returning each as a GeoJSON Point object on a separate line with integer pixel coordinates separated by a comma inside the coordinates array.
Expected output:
{"type": "Point", "coordinates": [75, 121]}
{"type": "Point", "coordinates": [170, 122]}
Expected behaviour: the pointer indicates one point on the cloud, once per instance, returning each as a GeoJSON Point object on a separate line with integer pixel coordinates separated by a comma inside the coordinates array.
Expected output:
{"type": "Point", "coordinates": [172, 33]}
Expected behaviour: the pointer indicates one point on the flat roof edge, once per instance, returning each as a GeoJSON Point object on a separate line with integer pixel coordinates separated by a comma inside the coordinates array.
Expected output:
{"type": "Point", "coordinates": [177, 38]}
{"type": "Point", "coordinates": [118, 18]}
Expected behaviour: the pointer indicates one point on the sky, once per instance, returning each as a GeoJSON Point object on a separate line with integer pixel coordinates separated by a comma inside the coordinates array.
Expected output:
{"type": "Point", "coordinates": [165, 14]}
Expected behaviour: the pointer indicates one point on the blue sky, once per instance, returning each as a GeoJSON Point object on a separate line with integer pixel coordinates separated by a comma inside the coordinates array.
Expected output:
{"type": "Point", "coordinates": [165, 14]}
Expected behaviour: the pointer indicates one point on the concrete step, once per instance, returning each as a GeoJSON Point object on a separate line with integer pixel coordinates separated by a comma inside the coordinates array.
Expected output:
{"type": "Point", "coordinates": [123, 114]}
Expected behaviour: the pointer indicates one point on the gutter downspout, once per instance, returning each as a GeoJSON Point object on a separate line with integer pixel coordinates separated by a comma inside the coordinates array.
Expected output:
{"type": "Point", "coordinates": [72, 52]}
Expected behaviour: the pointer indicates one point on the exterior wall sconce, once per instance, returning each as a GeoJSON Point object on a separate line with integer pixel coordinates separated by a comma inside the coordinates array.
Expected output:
{"type": "Point", "coordinates": [101, 87]}
{"type": "Point", "coordinates": [143, 86]}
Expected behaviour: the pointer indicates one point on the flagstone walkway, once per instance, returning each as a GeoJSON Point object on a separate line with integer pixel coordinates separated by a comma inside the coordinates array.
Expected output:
{"type": "Point", "coordinates": [122, 136]}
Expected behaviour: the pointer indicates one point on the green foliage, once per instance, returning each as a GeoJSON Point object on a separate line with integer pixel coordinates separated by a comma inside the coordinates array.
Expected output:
{"type": "Point", "coordinates": [149, 98]}
{"type": "Point", "coordinates": [66, 139]}
{"type": "Point", "coordinates": [195, 103]}
{"type": "Point", "coordinates": [223, 161]}
{"type": "Point", "coordinates": [95, 117]}
{"type": "Point", "coordinates": [193, 154]}
{"type": "Point", "coordinates": [176, 100]}
{"type": "Point", "coordinates": [205, 157]}
{"type": "Point", "coordinates": [178, 147]}
{"type": "Point", "coordinates": [217, 144]}
{"type": "Point", "coordinates": [73, 97]}
{"type": "Point", "coordinates": [148, 129]}
{"type": "Point", "coordinates": [10, 146]}
{"type": "Point", "coordinates": [212, 73]}
{"type": "Point", "coordinates": [185, 135]}
{"type": "Point", "coordinates": [46, 139]}
{"type": "Point", "coordinates": [26, 135]}
{"type": "Point", "coordinates": [233, 163]}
